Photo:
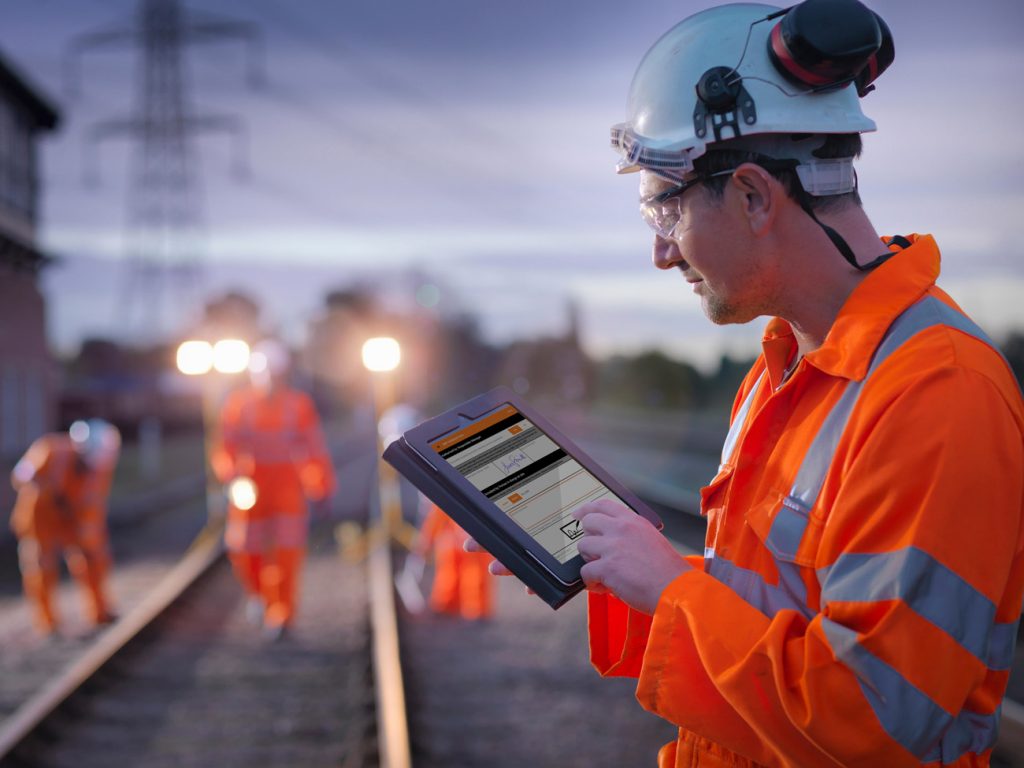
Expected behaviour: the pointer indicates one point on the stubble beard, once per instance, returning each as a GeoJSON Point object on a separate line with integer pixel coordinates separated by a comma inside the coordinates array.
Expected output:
{"type": "Point", "coordinates": [721, 311]}
{"type": "Point", "coordinates": [718, 310]}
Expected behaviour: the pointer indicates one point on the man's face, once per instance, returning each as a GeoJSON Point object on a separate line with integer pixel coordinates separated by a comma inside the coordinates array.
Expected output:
{"type": "Point", "coordinates": [712, 248]}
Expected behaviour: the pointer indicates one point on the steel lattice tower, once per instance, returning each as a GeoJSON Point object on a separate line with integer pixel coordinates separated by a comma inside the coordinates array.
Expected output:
{"type": "Point", "coordinates": [164, 227]}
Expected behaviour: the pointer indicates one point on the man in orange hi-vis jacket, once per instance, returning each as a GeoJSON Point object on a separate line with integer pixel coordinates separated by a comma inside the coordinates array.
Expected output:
{"type": "Point", "coordinates": [858, 597]}
{"type": "Point", "coordinates": [63, 481]}
{"type": "Point", "coordinates": [462, 584]}
{"type": "Point", "coordinates": [273, 458]}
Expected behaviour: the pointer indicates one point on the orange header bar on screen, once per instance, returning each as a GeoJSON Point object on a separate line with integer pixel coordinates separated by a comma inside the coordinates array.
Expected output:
{"type": "Point", "coordinates": [462, 434]}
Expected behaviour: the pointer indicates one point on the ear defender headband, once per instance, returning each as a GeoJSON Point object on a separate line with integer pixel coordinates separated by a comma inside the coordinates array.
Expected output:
{"type": "Point", "coordinates": [820, 45]}
{"type": "Point", "coordinates": [826, 44]}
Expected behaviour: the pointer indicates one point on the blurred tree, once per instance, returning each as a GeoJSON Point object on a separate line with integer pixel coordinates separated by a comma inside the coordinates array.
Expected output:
{"type": "Point", "coordinates": [649, 380]}
{"type": "Point", "coordinates": [720, 388]}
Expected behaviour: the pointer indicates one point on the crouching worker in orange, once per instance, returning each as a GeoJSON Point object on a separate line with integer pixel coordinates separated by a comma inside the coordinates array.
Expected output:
{"type": "Point", "coordinates": [273, 459]}
{"type": "Point", "coordinates": [462, 584]}
{"type": "Point", "coordinates": [62, 484]}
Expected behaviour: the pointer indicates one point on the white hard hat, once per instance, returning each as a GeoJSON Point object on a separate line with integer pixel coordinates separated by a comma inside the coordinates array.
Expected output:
{"type": "Point", "coordinates": [97, 440]}
{"type": "Point", "coordinates": [269, 357]}
{"type": "Point", "coordinates": [726, 73]}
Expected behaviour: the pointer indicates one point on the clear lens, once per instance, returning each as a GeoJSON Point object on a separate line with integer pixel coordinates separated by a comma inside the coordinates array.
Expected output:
{"type": "Point", "coordinates": [662, 217]}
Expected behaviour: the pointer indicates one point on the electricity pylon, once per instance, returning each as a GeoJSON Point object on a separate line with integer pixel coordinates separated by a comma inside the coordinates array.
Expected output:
{"type": "Point", "coordinates": [163, 239]}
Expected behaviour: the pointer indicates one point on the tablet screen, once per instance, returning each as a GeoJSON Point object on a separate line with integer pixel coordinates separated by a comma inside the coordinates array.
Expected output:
{"type": "Point", "coordinates": [526, 474]}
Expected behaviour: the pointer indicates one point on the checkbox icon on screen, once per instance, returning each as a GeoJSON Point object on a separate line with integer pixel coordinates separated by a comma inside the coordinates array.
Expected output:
{"type": "Point", "coordinates": [572, 529]}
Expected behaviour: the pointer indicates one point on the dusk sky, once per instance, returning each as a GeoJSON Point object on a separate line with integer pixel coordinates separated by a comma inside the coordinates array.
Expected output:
{"type": "Point", "coordinates": [466, 143]}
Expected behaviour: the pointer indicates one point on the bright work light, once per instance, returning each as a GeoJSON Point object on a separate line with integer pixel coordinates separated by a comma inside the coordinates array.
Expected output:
{"type": "Point", "coordinates": [381, 354]}
{"type": "Point", "coordinates": [195, 357]}
{"type": "Point", "coordinates": [230, 356]}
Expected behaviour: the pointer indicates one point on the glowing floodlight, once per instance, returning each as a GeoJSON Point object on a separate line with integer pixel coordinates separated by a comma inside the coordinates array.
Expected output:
{"type": "Point", "coordinates": [230, 356]}
{"type": "Point", "coordinates": [381, 354]}
{"type": "Point", "coordinates": [195, 358]}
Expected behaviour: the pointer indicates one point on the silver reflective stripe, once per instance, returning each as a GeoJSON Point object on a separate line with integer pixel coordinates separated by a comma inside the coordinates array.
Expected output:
{"type": "Point", "coordinates": [905, 712]}
{"type": "Point", "coordinates": [790, 594]}
{"type": "Point", "coordinates": [737, 423]}
{"type": "Point", "coordinates": [932, 590]}
{"type": "Point", "coordinates": [908, 715]}
{"type": "Point", "coordinates": [787, 530]}
{"type": "Point", "coordinates": [267, 451]}
{"type": "Point", "coordinates": [791, 520]}
{"type": "Point", "coordinates": [970, 732]}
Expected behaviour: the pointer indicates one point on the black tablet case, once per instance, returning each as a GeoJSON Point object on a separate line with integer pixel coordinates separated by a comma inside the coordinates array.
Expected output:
{"type": "Point", "coordinates": [408, 464]}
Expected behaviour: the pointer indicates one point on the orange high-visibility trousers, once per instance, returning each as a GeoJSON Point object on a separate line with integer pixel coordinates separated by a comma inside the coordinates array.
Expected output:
{"type": "Point", "coordinates": [462, 584]}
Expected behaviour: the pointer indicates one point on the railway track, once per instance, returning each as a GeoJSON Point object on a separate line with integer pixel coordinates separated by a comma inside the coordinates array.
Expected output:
{"type": "Point", "coordinates": [184, 680]}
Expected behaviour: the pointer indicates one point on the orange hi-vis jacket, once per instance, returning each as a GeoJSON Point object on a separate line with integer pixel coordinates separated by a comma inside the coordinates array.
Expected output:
{"type": "Point", "coordinates": [49, 491]}
{"type": "Point", "coordinates": [858, 598]}
{"type": "Point", "coordinates": [275, 439]}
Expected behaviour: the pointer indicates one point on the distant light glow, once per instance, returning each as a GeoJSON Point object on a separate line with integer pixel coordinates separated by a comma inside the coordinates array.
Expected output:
{"type": "Point", "coordinates": [195, 358]}
{"type": "Point", "coordinates": [242, 493]}
{"type": "Point", "coordinates": [428, 295]}
{"type": "Point", "coordinates": [230, 356]}
{"type": "Point", "coordinates": [381, 354]}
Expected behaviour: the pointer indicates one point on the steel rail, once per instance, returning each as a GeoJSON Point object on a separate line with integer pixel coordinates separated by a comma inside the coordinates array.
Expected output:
{"type": "Point", "coordinates": [204, 551]}
{"type": "Point", "coordinates": [392, 718]}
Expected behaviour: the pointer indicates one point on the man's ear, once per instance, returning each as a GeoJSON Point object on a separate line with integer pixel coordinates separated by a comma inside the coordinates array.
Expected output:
{"type": "Point", "coordinates": [759, 195]}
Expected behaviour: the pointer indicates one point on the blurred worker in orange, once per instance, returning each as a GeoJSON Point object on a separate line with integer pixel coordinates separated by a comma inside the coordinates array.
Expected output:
{"type": "Point", "coordinates": [462, 584]}
{"type": "Point", "coordinates": [273, 459]}
{"type": "Point", "coordinates": [63, 482]}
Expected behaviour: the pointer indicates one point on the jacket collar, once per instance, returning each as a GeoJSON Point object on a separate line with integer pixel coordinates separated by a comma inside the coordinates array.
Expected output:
{"type": "Point", "coordinates": [867, 314]}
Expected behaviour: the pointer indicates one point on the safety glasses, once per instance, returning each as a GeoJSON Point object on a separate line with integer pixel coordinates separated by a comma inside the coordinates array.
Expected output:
{"type": "Point", "coordinates": [663, 211]}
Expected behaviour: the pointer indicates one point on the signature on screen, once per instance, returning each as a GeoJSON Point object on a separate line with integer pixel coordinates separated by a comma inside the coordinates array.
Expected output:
{"type": "Point", "coordinates": [513, 461]}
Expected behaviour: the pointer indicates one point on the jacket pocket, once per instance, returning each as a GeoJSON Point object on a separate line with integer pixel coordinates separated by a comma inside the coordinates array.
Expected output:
{"type": "Point", "coordinates": [790, 537]}
{"type": "Point", "coordinates": [713, 495]}
{"type": "Point", "coordinates": [787, 528]}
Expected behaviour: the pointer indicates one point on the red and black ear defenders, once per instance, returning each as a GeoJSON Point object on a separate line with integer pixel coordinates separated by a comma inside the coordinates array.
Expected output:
{"type": "Point", "coordinates": [818, 44]}
{"type": "Point", "coordinates": [826, 44]}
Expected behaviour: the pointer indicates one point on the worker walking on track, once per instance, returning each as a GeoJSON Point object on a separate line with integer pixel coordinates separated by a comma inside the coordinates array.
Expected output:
{"type": "Point", "coordinates": [858, 597]}
{"type": "Point", "coordinates": [273, 458]}
{"type": "Point", "coordinates": [62, 483]}
{"type": "Point", "coordinates": [462, 584]}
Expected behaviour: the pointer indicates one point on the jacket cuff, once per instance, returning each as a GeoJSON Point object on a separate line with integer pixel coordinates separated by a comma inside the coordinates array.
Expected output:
{"type": "Point", "coordinates": [618, 636]}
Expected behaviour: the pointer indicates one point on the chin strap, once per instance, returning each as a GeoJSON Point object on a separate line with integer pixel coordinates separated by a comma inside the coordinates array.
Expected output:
{"type": "Point", "coordinates": [838, 241]}
{"type": "Point", "coordinates": [773, 164]}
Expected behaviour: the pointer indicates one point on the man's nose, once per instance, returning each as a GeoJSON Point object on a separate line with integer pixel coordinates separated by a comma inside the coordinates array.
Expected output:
{"type": "Point", "coordinates": [665, 253]}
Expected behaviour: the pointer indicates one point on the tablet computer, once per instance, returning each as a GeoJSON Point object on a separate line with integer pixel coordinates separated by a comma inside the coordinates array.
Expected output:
{"type": "Point", "coordinates": [512, 480]}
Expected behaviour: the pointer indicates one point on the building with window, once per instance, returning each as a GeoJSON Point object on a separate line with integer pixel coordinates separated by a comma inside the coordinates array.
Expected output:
{"type": "Point", "coordinates": [27, 373]}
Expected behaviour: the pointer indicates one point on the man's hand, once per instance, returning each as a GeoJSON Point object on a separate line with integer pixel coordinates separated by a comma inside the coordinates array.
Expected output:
{"type": "Point", "coordinates": [625, 554]}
